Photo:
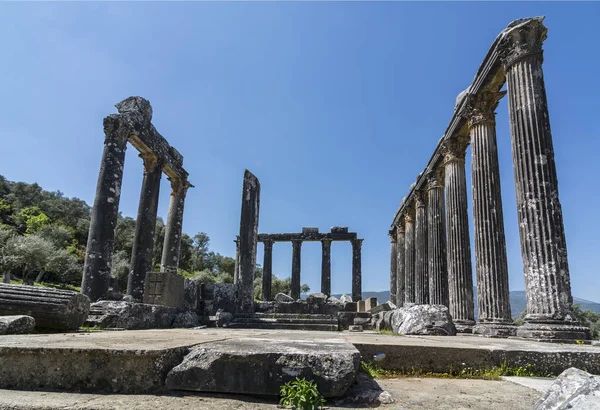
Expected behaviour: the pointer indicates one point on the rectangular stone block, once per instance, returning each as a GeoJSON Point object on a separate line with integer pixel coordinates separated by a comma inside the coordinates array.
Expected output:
{"type": "Point", "coordinates": [164, 288]}
{"type": "Point", "coordinates": [310, 230]}
{"type": "Point", "coordinates": [361, 306]}
{"type": "Point", "coordinates": [384, 307]}
{"type": "Point", "coordinates": [339, 229]}
{"type": "Point", "coordinates": [370, 303]}
{"type": "Point", "coordinates": [218, 296]}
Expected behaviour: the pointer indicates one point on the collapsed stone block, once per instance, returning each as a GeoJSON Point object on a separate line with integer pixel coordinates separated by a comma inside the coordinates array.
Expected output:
{"type": "Point", "coordinates": [423, 320]}
{"type": "Point", "coordinates": [218, 296]}
{"type": "Point", "coordinates": [108, 314]}
{"type": "Point", "coordinates": [261, 366]}
{"type": "Point", "coordinates": [370, 303]}
{"type": "Point", "coordinates": [573, 389]}
{"type": "Point", "coordinates": [18, 324]}
{"type": "Point", "coordinates": [384, 307]}
{"type": "Point", "coordinates": [51, 308]}
{"type": "Point", "coordinates": [164, 288]}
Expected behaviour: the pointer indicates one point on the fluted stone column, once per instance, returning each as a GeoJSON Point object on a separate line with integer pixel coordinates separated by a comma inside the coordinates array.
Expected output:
{"type": "Point", "coordinates": [543, 244]}
{"type": "Point", "coordinates": [267, 278]}
{"type": "Point", "coordinates": [143, 239]}
{"type": "Point", "coordinates": [101, 237]}
{"type": "Point", "coordinates": [248, 241]}
{"type": "Point", "coordinates": [436, 242]}
{"type": "Point", "coordinates": [393, 266]}
{"type": "Point", "coordinates": [409, 255]}
{"type": "Point", "coordinates": [296, 261]}
{"type": "Point", "coordinates": [400, 265]}
{"type": "Point", "coordinates": [491, 267]}
{"type": "Point", "coordinates": [421, 261]}
{"type": "Point", "coordinates": [326, 266]}
{"type": "Point", "coordinates": [172, 244]}
{"type": "Point", "coordinates": [356, 270]}
{"type": "Point", "coordinates": [460, 274]}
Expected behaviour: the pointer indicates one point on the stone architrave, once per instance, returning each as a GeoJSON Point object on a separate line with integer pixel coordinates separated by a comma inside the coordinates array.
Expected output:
{"type": "Point", "coordinates": [172, 244]}
{"type": "Point", "coordinates": [393, 266]}
{"type": "Point", "coordinates": [267, 278]}
{"type": "Point", "coordinates": [421, 260]}
{"type": "Point", "coordinates": [143, 240]}
{"type": "Point", "coordinates": [101, 237]}
{"type": "Point", "coordinates": [326, 266]}
{"type": "Point", "coordinates": [491, 266]}
{"type": "Point", "coordinates": [248, 241]}
{"type": "Point", "coordinates": [460, 274]}
{"type": "Point", "coordinates": [436, 242]}
{"type": "Point", "coordinates": [409, 255]}
{"type": "Point", "coordinates": [296, 265]}
{"type": "Point", "coordinates": [400, 266]}
{"type": "Point", "coordinates": [356, 269]}
{"type": "Point", "coordinates": [543, 244]}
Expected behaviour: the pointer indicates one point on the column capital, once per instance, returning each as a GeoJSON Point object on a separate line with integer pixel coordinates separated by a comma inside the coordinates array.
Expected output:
{"type": "Point", "coordinates": [400, 228]}
{"type": "Point", "coordinates": [357, 243]}
{"type": "Point", "coordinates": [115, 131]}
{"type": "Point", "coordinates": [522, 38]}
{"type": "Point", "coordinates": [326, 241]}
{"type": "Point", "coordinates": [392, 234]}
{"type": "Point", "coordinates": [435, 178]}
{"type": "Point", "coordinates": [480, 107]}
{"type": "Point", "coordinates": [409, 213]}
{"type": "Point", "coordinates": [419, 199]}
{"type": "Point", "coordinates": [179, 185]}
{"type": "Point", "coordinates": [454, 149]}
{"type": "Point", "coordinates": [297, 243]}
{"type": "Point", "coordinates": [151, 161]}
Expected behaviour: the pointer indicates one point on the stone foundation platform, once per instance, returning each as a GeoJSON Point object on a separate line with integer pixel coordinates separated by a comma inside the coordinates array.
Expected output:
{"type": "Point", "coordinates": [138, 361]}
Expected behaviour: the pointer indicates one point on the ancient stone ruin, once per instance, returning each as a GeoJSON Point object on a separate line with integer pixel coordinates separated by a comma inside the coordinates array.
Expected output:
{"type": "Point", "coordinates": [430, 246]}
{"type": "Point", "coordinates": [133, 124]}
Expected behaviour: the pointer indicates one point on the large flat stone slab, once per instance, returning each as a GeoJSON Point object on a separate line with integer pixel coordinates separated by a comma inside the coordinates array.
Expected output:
{"type": "Point", "coordinates": [260, 366]}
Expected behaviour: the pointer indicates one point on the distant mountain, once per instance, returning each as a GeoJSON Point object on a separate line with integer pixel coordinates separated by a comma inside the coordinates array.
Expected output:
{"type": "Point", "coordinates": [518, 301]}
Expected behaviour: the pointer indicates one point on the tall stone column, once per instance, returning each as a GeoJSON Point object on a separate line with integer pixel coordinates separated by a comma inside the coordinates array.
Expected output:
{"type": "Point", "coordinates": [296, 262]}
{"type": "Point", "coordinates": [436, 240]}
{"type": "Point", "coordinates": [400, 265]}
{"type": "Point", "coordinates": [356, 270]}
{"type": "Point", "coordinates": [393, 266]}
{"type": "Point", "coordinates": [421, 261]}
{"type": "Point", "coordinates": [326, 266]}
{"type": "Point", "coordinates": [172, 244]}
{"type": "Point", "coordinates": [460, 274]}
{"type": "Point", "coordinates": [543, 244]}
{"type": "Point", "coordinates": [409, 255]}
{"type": "Point", "coordinates": [267, 278]}
{"type": "Point", "coordinates": [101, 237]}
{"type": "Point", "coordinates": [248, 241]}
{"type": "Point", "coordinates": [491, 267]}
{"type": "Point", "coordinates": [143, 239]}
{"type": "Point", "coordinates": [236, 268]}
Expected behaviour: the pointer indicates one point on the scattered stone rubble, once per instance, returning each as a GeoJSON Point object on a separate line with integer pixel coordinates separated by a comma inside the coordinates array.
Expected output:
{"type": "Point", "coordinates": [573, 389]}
{"type": "Point", "coordinates": [16, 325]}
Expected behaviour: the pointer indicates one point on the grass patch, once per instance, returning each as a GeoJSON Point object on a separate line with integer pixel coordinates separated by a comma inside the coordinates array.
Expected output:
{"type": "Point", "coordinates": [388, 332]}
{"type": "Point", "coordinates": [466, 372]}
{"type": "Point", "coordinates": [64, 286]}
{"type": "Point", "coordinates": [90, 328]}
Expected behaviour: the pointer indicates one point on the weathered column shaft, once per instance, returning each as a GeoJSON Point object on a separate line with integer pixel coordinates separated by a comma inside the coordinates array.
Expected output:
{"type": "Point", "coordinates": [393, 266]}
{"type": "Point", "coordinates": [173, 229]}
{"type": "Point", "coordinates": [326, 266]}
{"type": "Point", "coordinates": [143, 239]}
{"type": "Point", "coordinates": [436, 242]}
{"type": "Point", "coordinates": [491, 267]}
{"type": "Point", "coordinates": [101, 237]}
{"type": "Point", "coordinates": [248, 241]}
{"type": "Point", "coordinates": [543, 244]}
{"type": "Point", "coordinates": [421, 261]}
{"type": "Point", "coordinates": [296, 264]}
{"type": "Point", "coordinates": [409, 257]}
{"type": "Point", "coordinates": [460, 274]}
{"type": "Point", "coordinates": [267, 278]}
{"type": "Point", "coordinates": [356, 270]}
{"type": "Point", "coordinates": [400, 265]}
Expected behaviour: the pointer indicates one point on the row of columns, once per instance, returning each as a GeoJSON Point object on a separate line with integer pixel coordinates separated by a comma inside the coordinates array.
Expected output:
{"type": "Point", "coordinates": [420, 233]}
{"type": "Point", "coordinates": [325, 268]}
{"type": "Point", "coordinates": [100, 245]}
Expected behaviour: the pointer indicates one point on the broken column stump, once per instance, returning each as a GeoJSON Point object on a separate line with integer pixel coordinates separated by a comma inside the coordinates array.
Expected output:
{"type": "Point", "coordinates": [51, 308]}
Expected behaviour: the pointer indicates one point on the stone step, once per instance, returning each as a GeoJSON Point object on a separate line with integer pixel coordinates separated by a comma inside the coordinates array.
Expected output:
{"type": "Point", "coordinates": [283, 320]}
{"type": "Point", "coordinates": [287, 315]}
{"type": "Point", "coordinates": [285, 326]}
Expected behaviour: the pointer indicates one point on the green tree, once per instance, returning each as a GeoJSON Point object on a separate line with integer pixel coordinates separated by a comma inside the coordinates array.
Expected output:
{"type": "Point", "coordinates": [29, 254]}
{"type": "Point", "coordinates": [589, 319]}
{"type": "Point", "coordinates": [64, 266]}
{"type": "Point", "coordinates": [61, 236]}
{"type": "Point", "coordinates": [120, 268]}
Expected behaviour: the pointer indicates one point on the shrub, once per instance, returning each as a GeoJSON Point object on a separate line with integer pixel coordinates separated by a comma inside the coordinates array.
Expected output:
{"type": "Point", "coordinates": [301, 394]}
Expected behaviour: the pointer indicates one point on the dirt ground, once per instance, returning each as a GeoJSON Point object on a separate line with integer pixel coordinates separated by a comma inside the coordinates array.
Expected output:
{"type": "Point", "coordinates": [408, 393]}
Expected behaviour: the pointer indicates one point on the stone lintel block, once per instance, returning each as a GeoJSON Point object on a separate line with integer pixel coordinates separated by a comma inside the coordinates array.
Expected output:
{"type": "Point", "coordinates": [339, 229]}
{"type": "Point", "coordinates": [164, 288]}
{"type": "Point", "coordinates": [384, 307]}
{"type": "Point", "coordinates": [260, 366]}
{"type": "Point", "coordinates": [310, 230]}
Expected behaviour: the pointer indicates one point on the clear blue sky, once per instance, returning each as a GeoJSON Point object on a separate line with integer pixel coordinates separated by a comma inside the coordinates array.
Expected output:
{"type": "Point", "coordinates": [336, 107]}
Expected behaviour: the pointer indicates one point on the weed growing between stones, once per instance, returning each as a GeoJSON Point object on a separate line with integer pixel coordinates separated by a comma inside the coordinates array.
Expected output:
{"type": "Point", "coordinates": [301, 394]}
{"type": "Point", "coordinates": [494, 373]}
{"type": "Point", "coordinates": [90, 328]}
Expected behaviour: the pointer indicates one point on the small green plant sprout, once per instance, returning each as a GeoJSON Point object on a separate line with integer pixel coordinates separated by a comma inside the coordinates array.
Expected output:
{"type": "Point", "coordinates": [301, 394]}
